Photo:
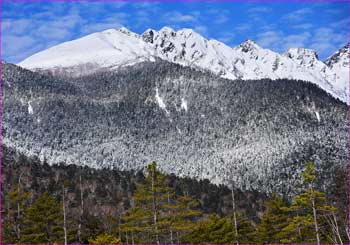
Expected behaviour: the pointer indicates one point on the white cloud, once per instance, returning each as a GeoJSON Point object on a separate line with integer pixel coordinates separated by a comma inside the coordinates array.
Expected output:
{"type": "Point", "coordinates": [304, 26]}
{"type": "Point", "coordinates": [260, 9]}
{"type": "Point", "coordinates": [341, 24]}
{"type": "Point", "coordinates": [221, 19]}
{"type": "Point", "coordinates": [96, 27]}
{"type": "Point", "coordinates": [323, 40]}
{"type": "Point", "coordinates": [145, 5]}
{"type": "Point", "coordinates": [175, 17]}
{"type": "Point", "coordinates": [242, 27]}
{"type": "Point", "coordinates": [14, 44]}
{"type": "Point", "coordinates": [298, 15]}
{"type": "Point", "coordinates": [115, 20]}
{"type": "Point", "coordinates": [15, 27]}
{"type": "Point", "coordinates": [280, 42]}
{"type": "Point", "coordinates": [201, 29]}
{"type": "Point", "coordinates": [269, 38]}
{"type": "Point", "coordinates": [226, 37]}
{"type": "Point", "coordinates": [295, 40]}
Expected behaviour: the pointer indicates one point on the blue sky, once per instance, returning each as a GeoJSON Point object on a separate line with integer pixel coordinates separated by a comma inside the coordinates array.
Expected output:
{"type": "Point", "coordinates": [28, 27]}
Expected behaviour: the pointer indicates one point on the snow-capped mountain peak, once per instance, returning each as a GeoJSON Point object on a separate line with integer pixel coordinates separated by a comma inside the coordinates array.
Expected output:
{"type": "Point", "coordinates": [302, 55]}
{"type": "Point", "coordinates": [342, 55]}
{"type": "Point", "coordinates": [167, 30]}
{"type": "Point", "coordinates": [114, 48]}
{"type": "Point", "coordinates": [248, 45]}
{"type": "Point", "coordinates": [148, 35]}
{"type": "Point", "coordinates": [127, 32]}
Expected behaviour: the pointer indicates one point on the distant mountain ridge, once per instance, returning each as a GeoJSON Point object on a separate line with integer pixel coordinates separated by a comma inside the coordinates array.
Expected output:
{"type": "Point", "coordinates": [115, 48]}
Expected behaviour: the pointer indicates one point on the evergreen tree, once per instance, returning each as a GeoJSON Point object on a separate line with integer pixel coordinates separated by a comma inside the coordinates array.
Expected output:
{"type": "Point", "coordinates": [216, 230]}
{"type": "Point", "coordinates": [16, 202]}
{"type": "Point", "coordinates": [147, 216]}
{"type": "Point", "coordinates": [91, 227]}
{"type": "Point", "coordinates": [105, 238]}
{"type": "Point", "coordinates": [181, 216]}
{"type": "Point", "coordinates": [273, 221]}
{"type": "Point", "coordinates": [136, 225]}
{"type": "Point", "coordinates": [308, 210]}
{"type": "Point", "coordinates": [43, 222]}
{"type": "Point", "coordinates": [246, 231]}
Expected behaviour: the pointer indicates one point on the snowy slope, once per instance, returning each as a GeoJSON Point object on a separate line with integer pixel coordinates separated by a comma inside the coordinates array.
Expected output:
{"type": "Point", "coordinates": [105, 49]}
{"type": "Point", "coordinates": [120, 47]}
{"type": "Point", "coordinates": [338, 71]}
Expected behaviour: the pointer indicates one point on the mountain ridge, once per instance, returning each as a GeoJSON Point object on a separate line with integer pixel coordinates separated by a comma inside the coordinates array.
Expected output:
{"type": "Point", "coordinates": [114, 48]}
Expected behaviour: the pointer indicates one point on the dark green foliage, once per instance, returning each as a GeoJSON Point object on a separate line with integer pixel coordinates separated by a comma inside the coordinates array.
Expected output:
{"type": "Point", "coordinates": [114, 214]}
{"type": "Point", "coordinates": [16, 202]}
{"type": "Point", "coordinates": [216, 230]}
{"type": "Point", "coordinates": [43, 222]}
{"type": "Point", "coordinates": [306, 222]}
{"type": "Point", "coordinates": [273, 221]}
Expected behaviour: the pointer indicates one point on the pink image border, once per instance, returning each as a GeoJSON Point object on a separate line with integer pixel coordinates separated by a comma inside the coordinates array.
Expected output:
{"type": "Point", "coordinates": [233, 1]}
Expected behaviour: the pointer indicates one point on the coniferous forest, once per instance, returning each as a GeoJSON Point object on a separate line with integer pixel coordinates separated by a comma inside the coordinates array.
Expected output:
{"type": "Point", "coordinates": [148, 122]}
{"type": "Point", "coordinates": [71, 204]}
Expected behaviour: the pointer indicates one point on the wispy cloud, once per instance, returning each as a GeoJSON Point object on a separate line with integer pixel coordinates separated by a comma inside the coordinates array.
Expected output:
{"type": "Point", "coordinates": [201, 29]}
{"type": "Point", "coordinates": [115, 20]}
{"type": "Point", "coordinates": [269, 38]}
{"type": "Point", "coordinates": [90, 28]}
{"type": "Point", "coordinates": [28, 27]}
{"type": "Point", "coordinates": [24, 35]}
{"type": "Point", "coordinates": [226, 37]}
{"type": "Point", "coordinates": [341, 24]}
{"type": "Point", "coordinates": [296, 40]}
{"type": "Point", "coordinates": [325, 39]}
{"type": "Point", "coordinates": [242, 27]}
{"type": "Point", "coordinates": [303, 26]}
{"type": "Point", "coordinates": [321, 39]}
{"type": "Point", "coordinates": [298, 15]}
{"type": "Point", "coordinates": [260, 9]}
{"type": "Point", "coordinates": [176, 17]}
{"type": "Point", "coordinates": [281, 42]}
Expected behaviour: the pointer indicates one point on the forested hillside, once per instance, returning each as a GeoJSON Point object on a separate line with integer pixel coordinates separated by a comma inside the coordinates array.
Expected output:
{"type": "Point", "coordinates": [48, 204]}
{"type": "Point", "coordinates": [258, 133]}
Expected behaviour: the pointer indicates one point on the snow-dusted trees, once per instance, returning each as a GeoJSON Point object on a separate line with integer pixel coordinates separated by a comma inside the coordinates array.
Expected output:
{"type": "Point", "coordinates": [265, 129]}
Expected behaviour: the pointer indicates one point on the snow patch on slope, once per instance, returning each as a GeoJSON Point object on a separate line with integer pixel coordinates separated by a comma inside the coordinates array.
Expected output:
{"type": "Point", "coordinates": [184, 104]}
{"type": "Point", "coordinates": [30, 108]}
{"type": "Point", "coordinates": [160, 102]}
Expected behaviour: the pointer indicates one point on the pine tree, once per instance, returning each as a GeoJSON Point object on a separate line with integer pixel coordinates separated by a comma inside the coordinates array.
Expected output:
{"type": "Point", "coordinates": [43, 222]}
{"type": "Point", "coordinates": [273, 221]}
{"type": "Point", "coordinates": [246, 231]}
{"type": "Point", "coordinates": [305, 226]}
{"type": "Point", "coordinates": [181, 216]}
{"type": "Point", "coordinates": [136, 225]}
{"type": "Point", "coordinates": [15, 204]}
{"type": "Point", "coordinates": [147, 217]}
{"type": "Point", "coordinates": [105, 238]}
{"type": "Point", "coordinates": [91, 227]}
{"type": "Point", "coordinates": [216, 230]}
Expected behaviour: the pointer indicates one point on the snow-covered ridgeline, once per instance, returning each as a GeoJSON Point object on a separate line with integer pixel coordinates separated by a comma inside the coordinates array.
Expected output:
{"type": "Point", "coordinates": [115, 48]}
